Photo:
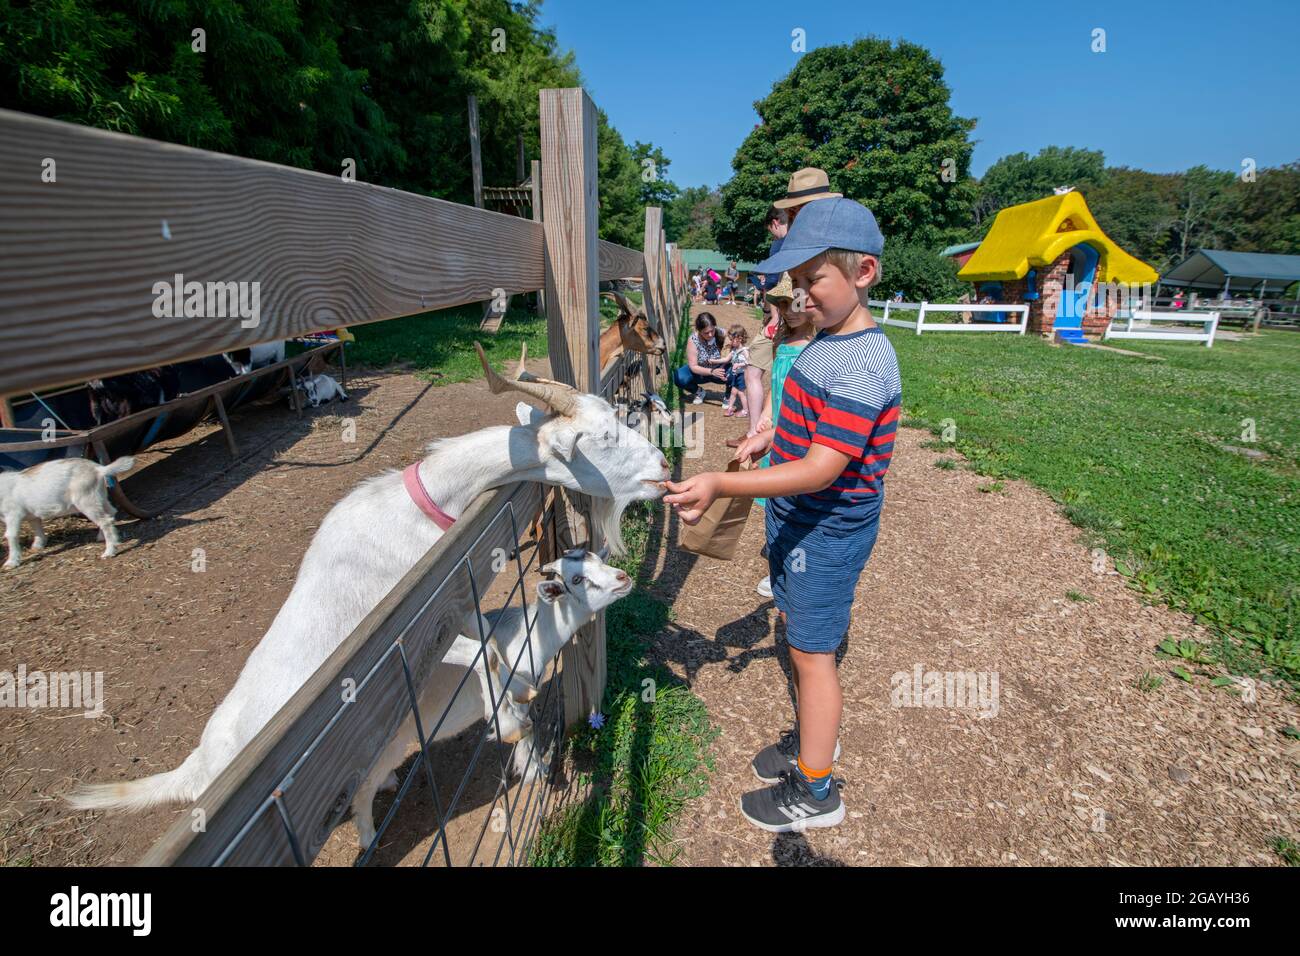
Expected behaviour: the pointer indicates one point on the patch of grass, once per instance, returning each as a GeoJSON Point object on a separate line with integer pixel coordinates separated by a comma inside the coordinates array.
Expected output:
{"type": "Point", "coordinates": [1287, 849]}
{"type": "Point", "coordinates": [439, 346]}
{"type": "Point", "coordinates": [651, 755]}
{"type": "Point", "coordinates": [672, 395]}
{"type": "Point", "coordinates": [946, 464]}
{"type": "Point", "coordinates": [1189, 651]}
{"type": "Point", "coordinates": [1133, 452]}
{"type": "Point", "coordinates": [1077, 596]}
{"type": "Point", "coordinates": [992, 488]}
{"type": "Point", "coordinates": [1149, 682]}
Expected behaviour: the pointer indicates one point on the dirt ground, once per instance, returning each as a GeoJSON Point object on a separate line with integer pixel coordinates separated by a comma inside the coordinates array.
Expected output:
{"type": "Point", "coordinates": [171, 641]}
{"type": "Point", "coordinates": [1078, 766]}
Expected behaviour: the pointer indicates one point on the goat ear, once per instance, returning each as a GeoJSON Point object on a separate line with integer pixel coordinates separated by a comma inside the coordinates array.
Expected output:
{"type": "Point", "coordinates": [548, 591]}
{"type": "Point", "coordinates": [563, 441]}
{"type": "Point", "coordinates": [603, 553]}
{"type": "Point", "coordinates": [528, 415]}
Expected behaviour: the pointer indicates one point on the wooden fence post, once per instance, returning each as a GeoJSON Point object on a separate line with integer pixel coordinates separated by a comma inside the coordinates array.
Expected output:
{"type": "Point", "coordinates": [680, 285]}
{"type": "Point", "coordinates": [537, 217]}
{"type": "Point", "coordinates": [568, 126]}
{"type": "Point", "coordinates": [665, 283]}
{"type": "Point", "coordinates": [656, 308]}
{"type": "Point", "coordinates": [475, 153]}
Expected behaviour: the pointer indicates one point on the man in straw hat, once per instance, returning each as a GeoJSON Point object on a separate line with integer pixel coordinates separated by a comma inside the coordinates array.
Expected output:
{"type": "Point", "coordinates": [805, 185]}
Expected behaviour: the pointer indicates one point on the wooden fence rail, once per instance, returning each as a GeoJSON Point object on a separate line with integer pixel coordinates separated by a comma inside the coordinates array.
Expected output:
{"type": "Point", "coordinates": [83, 253]}
{"type": "Point", "coordinates": [91, 222]}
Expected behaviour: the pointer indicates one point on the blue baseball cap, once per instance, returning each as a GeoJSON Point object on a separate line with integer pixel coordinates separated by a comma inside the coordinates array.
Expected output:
{"type": "Point", "coordinates": [826, 224]}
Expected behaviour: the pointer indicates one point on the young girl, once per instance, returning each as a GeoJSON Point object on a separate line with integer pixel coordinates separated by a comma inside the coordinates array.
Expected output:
{"type": "Point", "coordinates": [737, 338]}
{"type": "Point", "coordinates": [793, 332]}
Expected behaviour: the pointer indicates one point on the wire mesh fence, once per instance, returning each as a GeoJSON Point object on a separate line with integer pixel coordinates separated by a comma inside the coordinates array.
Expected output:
{"type": "Point", "coordinates": [462, 800]}
{"type": "Point", "coordinates": [425, 674]}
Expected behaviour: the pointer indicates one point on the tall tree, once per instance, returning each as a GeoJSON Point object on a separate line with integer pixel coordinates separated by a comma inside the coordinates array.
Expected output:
{"type": "Point", "coordinates": [688, 219]}
{"type": "Point", "coordinates": [874, 115]}
{"type": "Point", "coordinates": [1020, 178]}
{"type": "Point", "coordinates": [1267, 210]}
{"type": "Point", "coordinates": [1202, 210]}
{"type": "Point", "coordinates": [656, 188]}
{"type": "Point", "coordinates": [311, 83]}
{"type": "Point", "coordinates": [1137, 209]}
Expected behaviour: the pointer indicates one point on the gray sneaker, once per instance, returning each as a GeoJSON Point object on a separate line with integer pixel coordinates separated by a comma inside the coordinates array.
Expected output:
{"type": "Point", "coordinates": [789, 805]}
{"type": "Point", "coordinates": [780, 757]}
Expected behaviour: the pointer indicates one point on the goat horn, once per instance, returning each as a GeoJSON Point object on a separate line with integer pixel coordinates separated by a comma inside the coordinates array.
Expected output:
{"type": "Point", "coordinates": [559, 397]}
{"type": "Point", "coordinates": [624, 303]}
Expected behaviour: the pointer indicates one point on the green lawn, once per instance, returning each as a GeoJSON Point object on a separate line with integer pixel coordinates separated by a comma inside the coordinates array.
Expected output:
{"type": "Point", "coordinates": [1135, 453]}
{"type": "Point", "coordinates": [440, 345]}
{"type": "Point", "coordinates": [652, 753]}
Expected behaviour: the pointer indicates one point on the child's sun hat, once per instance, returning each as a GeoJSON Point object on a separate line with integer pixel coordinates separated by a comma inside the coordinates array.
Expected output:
{"type": "Point", "coordinates": [783, 291]}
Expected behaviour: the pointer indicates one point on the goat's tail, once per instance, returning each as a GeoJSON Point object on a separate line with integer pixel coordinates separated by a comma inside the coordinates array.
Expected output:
{"type": "Point", "coordinates": [181, 785]}
{"type": "Point", "coordinates": [119, 467]}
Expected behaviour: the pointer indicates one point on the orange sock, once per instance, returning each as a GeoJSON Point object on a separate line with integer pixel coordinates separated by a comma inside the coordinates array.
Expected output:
{"type": "Point", "coordinates": [819, 781]}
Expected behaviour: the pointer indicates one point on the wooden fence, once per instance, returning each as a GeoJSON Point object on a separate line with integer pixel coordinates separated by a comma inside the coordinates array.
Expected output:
{"type": "Point", "coordinates": [91, 221]}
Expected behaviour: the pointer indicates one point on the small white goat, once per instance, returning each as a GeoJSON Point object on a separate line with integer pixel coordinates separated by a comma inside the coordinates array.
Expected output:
{"type": "Point", "coordinates": [56, 488]}
{"type": "Point", "coordinates": [580, 586]}
{"type": "Point", "coordinates": [322, 388]}
{"type": "Point", "coordinates": [376, 534]}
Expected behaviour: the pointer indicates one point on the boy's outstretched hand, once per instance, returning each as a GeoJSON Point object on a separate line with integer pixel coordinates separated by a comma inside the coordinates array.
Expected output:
{"type": "Point", "coordinates": [693, 496]}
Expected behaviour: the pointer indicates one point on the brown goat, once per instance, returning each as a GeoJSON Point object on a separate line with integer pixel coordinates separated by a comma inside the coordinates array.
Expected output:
{"type": "Point", "coordinates": [630, 331]}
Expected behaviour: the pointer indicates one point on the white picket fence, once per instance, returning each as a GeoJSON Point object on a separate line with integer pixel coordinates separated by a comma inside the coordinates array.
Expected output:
{"type": "Point", "coordinates": [923, 309]}
{"type": "Point", "coordinates": [1208, 321]}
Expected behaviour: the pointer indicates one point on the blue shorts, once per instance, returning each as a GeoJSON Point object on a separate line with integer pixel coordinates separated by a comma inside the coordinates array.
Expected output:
{"type": "Point", "coordinates": [813, 576]}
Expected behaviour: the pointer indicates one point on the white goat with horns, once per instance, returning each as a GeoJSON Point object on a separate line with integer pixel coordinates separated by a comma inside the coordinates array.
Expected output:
{"type": "Point", "coordinates": [579, 585]}
{"type": "Point", "coordinates": [376, 534]}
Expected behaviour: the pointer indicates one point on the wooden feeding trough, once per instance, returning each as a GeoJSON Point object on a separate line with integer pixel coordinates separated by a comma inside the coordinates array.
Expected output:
{"type": "Point", "coordinates": [24, 446]}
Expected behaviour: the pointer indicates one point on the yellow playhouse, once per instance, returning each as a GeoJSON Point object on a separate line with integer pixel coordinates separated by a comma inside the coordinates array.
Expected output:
{"type": "Point", "coordinates": [1051, 255]}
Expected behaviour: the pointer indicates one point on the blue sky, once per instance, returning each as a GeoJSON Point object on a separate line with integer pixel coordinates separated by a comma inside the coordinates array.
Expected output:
{"type": "Point", "coordinates": [1180, 84]}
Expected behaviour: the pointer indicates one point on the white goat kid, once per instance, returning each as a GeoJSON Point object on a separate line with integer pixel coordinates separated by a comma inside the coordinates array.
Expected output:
{"type": "Point", "coordinates": [56, 488]}
{"type": "Point", "coordinates": [376, 534]}
{"type": "Point", "coordinates": [321, 389]}
{"type": "Point", "coordinates": [580, 585]}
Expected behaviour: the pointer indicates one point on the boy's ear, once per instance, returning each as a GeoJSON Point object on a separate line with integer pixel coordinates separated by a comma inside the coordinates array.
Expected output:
{"type": "Point", "coordinates": [868, 271]}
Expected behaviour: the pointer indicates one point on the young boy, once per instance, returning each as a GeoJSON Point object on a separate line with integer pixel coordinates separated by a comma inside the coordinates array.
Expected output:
{"type": "Point", "coordinates": [829, 453]}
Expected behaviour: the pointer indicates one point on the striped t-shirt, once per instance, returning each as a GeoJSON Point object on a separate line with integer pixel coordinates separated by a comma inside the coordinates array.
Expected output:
{"type": "Point", "coordinates": [843, 391]}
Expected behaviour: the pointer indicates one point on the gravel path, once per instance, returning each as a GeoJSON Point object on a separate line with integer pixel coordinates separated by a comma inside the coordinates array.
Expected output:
{"type": "Point", "coordinates": [1074, 764]}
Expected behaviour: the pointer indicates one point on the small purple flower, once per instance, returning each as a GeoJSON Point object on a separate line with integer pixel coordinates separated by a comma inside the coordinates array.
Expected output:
{"type": "Point", "coordinates": [596, 720]}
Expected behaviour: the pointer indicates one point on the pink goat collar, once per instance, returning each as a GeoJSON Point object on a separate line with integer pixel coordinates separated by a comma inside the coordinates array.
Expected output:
{"type": "Point", "coordinates": [420, 495]}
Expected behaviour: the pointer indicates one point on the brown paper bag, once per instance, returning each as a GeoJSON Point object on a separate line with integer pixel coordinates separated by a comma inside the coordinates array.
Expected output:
{"type": "Point", "coordinates": [718, 531]}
